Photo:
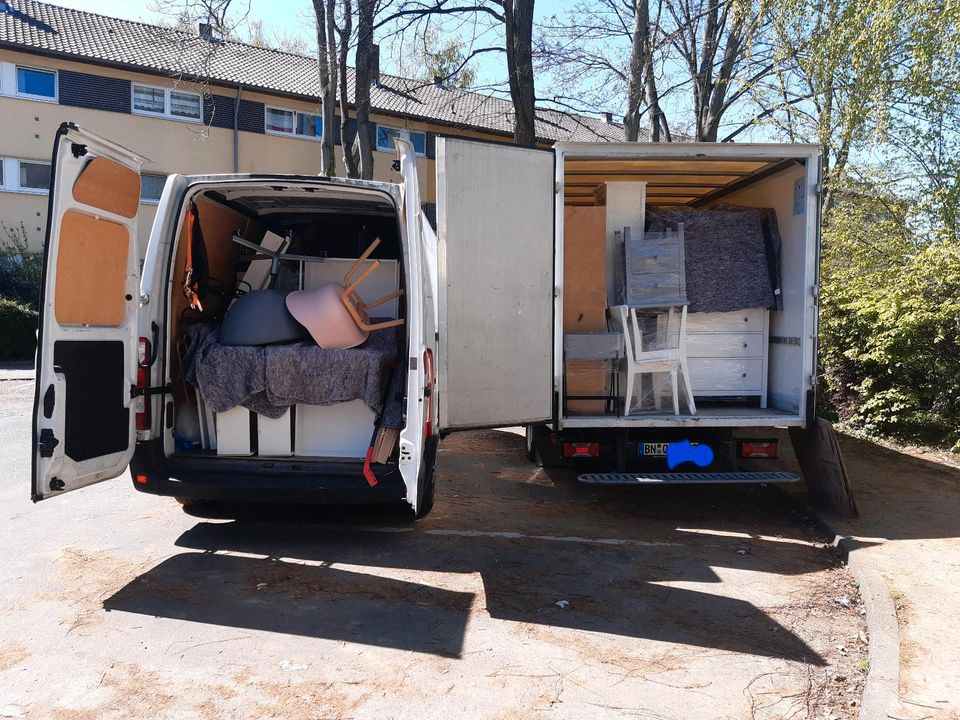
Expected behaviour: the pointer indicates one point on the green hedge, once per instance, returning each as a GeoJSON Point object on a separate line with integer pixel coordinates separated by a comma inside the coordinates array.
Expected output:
{"type": "Point", "coordinates": [18, 331]}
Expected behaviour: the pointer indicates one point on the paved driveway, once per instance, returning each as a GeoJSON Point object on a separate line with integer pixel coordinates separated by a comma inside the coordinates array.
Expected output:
{"type": "Point", "coordinates": [523, 595]}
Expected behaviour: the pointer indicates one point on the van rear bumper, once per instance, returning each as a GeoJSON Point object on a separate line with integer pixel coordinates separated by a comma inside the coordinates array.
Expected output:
{"type": "Point", "coordinates": [262, 480]}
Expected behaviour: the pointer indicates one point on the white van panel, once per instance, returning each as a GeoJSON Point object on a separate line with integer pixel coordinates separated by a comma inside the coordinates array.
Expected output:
{"type": "Point", "coordinates": [495, 220]}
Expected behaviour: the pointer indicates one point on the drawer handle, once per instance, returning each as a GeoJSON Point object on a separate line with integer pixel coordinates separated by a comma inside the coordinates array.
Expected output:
{"type": "Point", "coordinates": [746, 319]}
{"type": "Point", "coordinates": [743, 375]}
{"type": "Point", "coordinates": [744, 344]}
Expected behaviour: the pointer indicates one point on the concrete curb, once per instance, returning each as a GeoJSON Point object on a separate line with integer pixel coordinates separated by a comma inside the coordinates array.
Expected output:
{"type": "Point", "coordinates": [881, 692]}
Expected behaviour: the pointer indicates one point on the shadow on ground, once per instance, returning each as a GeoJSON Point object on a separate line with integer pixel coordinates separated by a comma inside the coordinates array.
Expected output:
{"type": "Point", "coordinates": [532, 539]}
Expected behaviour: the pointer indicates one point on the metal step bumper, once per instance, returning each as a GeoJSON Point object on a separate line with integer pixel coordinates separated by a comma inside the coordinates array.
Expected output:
{"type": "Point", "coordinates": [687, 478]}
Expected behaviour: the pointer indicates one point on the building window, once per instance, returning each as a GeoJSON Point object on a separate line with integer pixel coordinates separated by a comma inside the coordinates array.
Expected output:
{"type": "Point", "coordinates": [164, 102]}
{"type": "Point", "coordinates": [151, 187]}
{"type": "Point", "coordinates": [29, 176]}
{"type": "Point", "coordinates": [33, 83]}
{"type": "Point", "coordinates": [291, 122]}
{"type": "Point", "coordinates": [386, 136]}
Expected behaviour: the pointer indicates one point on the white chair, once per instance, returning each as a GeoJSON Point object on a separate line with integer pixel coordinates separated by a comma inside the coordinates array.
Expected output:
{"type": "Point", "coordinates": [652, 284]}
{"type": "Point", "coordinates": [667, 356]}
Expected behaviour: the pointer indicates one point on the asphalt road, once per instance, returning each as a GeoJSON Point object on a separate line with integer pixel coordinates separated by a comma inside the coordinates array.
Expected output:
{"type": "Point", "coordinates": [523, 595]}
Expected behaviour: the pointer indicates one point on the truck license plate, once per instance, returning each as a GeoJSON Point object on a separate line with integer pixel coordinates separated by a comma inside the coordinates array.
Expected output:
{"type": "Point", "coordinates": [653, 449]}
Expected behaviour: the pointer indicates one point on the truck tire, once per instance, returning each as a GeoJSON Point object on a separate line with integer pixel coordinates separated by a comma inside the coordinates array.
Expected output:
{"type": "Point", "coordinates": [427, 485]}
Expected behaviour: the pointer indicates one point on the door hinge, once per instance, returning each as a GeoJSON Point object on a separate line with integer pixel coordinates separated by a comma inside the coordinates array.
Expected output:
{"type": "Point", "coordinates": [136, 392]}
{"type": "Point", "coordinates": [46, 443]}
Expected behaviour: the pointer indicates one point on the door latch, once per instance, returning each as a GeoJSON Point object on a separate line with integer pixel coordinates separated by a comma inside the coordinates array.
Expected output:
{"type": "Point", "coordinates": [46, 443]}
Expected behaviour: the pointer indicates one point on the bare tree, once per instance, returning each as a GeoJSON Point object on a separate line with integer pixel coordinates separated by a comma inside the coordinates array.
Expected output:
{"type": "Point", "coordinates": [327, 67]}
{"type": "Point", "coordinates": [366, 10]}
{"type": "Point", "coordinates": [512, 18]}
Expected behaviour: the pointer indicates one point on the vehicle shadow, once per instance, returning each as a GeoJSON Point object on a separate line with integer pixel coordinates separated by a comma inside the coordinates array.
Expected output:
{"type": "Point", "coordinates": [505, 541]}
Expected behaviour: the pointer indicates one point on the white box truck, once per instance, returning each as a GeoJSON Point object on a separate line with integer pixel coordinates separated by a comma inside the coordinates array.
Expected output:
{"type": "Point", "coordinates": [482, 343]}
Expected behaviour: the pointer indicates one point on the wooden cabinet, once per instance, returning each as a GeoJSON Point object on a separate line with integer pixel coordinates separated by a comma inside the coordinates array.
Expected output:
{"type": "Point", "coordinates": [727, 353]}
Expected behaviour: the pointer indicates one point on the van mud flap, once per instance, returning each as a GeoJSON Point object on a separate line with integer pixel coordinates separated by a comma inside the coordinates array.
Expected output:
{"type": "Point", "coordinates": [694, 478]}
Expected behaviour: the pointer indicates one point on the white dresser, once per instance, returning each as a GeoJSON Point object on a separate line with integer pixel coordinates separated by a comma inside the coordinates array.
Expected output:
{"type": "Point", "coordinates": [727, 353]}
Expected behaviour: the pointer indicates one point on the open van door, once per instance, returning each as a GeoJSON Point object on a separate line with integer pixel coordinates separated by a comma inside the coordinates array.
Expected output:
{"type": "Point", "coordinates": [86, 353]}
{"type": "Point", "coordinates": [495, 221]}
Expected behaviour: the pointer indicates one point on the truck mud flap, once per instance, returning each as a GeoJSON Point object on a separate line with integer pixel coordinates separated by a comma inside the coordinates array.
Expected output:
{"type": "Point", "coordinates": [694, 478]}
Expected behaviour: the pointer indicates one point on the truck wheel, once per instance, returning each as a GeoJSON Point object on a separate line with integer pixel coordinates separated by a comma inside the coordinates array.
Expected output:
{"type": "Point", "coordinates": [534, 433]}
{"type": "Point", "coordinates": [427, 485]}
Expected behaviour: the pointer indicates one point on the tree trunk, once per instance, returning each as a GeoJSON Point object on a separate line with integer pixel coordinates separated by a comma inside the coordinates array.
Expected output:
{"type": "Point", "coordinates": [350, 160]}
{"type": "Point", "coordinates": [328, 85]}
{"type": "Point", "coordinates": [518, 25]}
{"type": "Point", "coordinates": [363, 79]}
{"type": "Point", "coordinates": [636, 86]}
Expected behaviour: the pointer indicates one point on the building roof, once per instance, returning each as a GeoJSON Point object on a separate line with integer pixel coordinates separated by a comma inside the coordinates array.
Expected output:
{"type": "Point", "coordinates": [31, 26]}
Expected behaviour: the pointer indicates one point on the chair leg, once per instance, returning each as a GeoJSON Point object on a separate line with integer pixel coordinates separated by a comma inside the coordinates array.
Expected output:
{"type": "Point", "coordinates": [628, 398]}
{"type": "Point", "coordinates": [655, 389]}
{"type": "Point", "coordinates": [676, 395]}
{"type": "Point", "coordinates": [691, 405]}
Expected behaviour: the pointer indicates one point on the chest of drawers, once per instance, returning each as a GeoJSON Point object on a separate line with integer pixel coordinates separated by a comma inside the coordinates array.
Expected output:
{"type": "Point", "coordinates": [727, 353]}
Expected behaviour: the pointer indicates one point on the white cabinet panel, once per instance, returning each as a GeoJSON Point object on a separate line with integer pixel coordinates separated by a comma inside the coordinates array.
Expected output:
{"type": "Point", "coordinates": [753, 320]}
{"type": "Point", "coordinates": [718, 345]}
{"type": "Point", "coordinates": [726, 375]}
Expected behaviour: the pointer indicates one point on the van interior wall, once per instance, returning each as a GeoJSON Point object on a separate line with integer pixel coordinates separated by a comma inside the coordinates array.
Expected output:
{"type": "Point", "coordinates": [785, 360]}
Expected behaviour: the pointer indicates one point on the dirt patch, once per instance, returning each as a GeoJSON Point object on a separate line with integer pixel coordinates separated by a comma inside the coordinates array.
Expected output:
{"type": "Point", "coordinates": [88, 578]}
{"type": "Point", "coordinates": [12, 653]}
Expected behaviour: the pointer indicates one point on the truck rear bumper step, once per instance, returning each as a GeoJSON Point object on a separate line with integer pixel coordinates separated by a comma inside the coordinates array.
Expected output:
{"type": "Point", "coordinates": [692, 478]}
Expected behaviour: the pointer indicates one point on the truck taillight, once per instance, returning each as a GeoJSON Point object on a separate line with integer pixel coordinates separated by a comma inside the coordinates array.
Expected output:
{"type": "Point", "coordinates": [581, 450]}
{"type": "Point", "coordinates": [141, 404]}
{"type": "Point", "coordinates": [428, 384]}
{"type": "Point", "coordinates": [757, 448]}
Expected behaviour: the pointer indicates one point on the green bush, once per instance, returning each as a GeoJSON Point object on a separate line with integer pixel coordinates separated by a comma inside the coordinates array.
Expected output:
{"type": "Point", "coordinates": [18, 328]}
{"type": "Point", "coordinates": [890, 323]}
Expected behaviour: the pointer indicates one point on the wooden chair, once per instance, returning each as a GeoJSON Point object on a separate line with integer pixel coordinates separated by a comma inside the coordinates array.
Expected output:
{"type": "Point", "coordinates": [355, 304]}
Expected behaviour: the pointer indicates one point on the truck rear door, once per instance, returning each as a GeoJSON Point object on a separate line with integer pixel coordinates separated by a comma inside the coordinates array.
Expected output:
{"type": "Point", "coordinates": [86, 355]}
{"type": "Point", "coordinates": [495, 221]}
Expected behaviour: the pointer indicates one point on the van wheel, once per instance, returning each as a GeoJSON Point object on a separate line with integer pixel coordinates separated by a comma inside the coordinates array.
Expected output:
{"type": "Point", "coordinates": [427, 485]}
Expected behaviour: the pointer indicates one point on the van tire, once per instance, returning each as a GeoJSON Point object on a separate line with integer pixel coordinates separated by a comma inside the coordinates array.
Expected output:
{"type": "Point", "coordinates": [427, 483]}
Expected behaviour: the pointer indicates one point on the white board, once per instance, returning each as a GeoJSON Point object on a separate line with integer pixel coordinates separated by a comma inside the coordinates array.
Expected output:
{"type": "Point", "coordinates": [383, 281]}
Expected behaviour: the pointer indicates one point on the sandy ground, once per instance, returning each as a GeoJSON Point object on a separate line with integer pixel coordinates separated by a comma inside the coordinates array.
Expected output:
{"type": "Point", "coordinates": [523, 595]}
{"type": "Point", "coordinates": [909, 528]}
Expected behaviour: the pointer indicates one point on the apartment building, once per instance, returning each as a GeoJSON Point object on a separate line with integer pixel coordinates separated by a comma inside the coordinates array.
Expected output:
{"type": "Point", "coordinates": [192, 103]}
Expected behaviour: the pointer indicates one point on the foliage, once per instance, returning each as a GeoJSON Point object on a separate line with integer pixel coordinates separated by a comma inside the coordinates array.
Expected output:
{"type": "Point", "coordinates": [890, 319]}
{"type": "Point", "coordinates": [18, 327]}
{"type": "Point", "coordinates": [443, 59]}
{"type": "Point", "coordinates": [20, 270]}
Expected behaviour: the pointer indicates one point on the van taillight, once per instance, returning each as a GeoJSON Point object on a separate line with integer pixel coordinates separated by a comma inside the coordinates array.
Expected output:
{"type": "Point", "coordinates": [757, 448]}
{"type": "Point", "coordinates": [141, 404]}
{"type": "Point", "coordinates": [581, 450]}
{"type": "Point", "coordinates": [428, 381]}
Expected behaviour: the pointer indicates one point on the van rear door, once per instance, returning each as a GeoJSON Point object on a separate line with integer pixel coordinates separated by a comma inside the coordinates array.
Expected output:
{"type": "Point", "coordinates": [495, 221]}
{"type": "Point", "coordinates": [86, 354]}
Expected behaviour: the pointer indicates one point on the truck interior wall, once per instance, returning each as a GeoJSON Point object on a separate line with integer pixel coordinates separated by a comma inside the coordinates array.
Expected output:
{"type": "Point", "coordinates": [787, 344]}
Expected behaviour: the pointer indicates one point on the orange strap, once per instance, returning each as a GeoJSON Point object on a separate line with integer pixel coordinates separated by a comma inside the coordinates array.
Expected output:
{"type": "Point", "coordinates": [189, 286]}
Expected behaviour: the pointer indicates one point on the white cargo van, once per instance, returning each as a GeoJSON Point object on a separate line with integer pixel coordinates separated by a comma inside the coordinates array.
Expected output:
{"type": "Point", "coordinates": [482, 343]}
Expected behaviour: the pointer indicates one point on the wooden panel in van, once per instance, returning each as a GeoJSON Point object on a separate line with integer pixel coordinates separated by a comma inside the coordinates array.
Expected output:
{"type": "Point", "coordinates": [91, 271]}
{"type": "Point", "coordinates": [110, 186]}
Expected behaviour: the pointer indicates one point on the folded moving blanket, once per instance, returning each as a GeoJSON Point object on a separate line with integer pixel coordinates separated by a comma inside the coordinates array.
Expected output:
{"type": "Point", "coordinates": [732, 255]}
{"type": "Point", "coordinates": [270, 378]}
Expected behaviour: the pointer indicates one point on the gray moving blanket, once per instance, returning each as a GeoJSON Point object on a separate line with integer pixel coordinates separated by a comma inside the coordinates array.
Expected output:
{"type": "Point", "coordinates": [270, 378]}
{"type": "Point", "coordinates": [732, 255]}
